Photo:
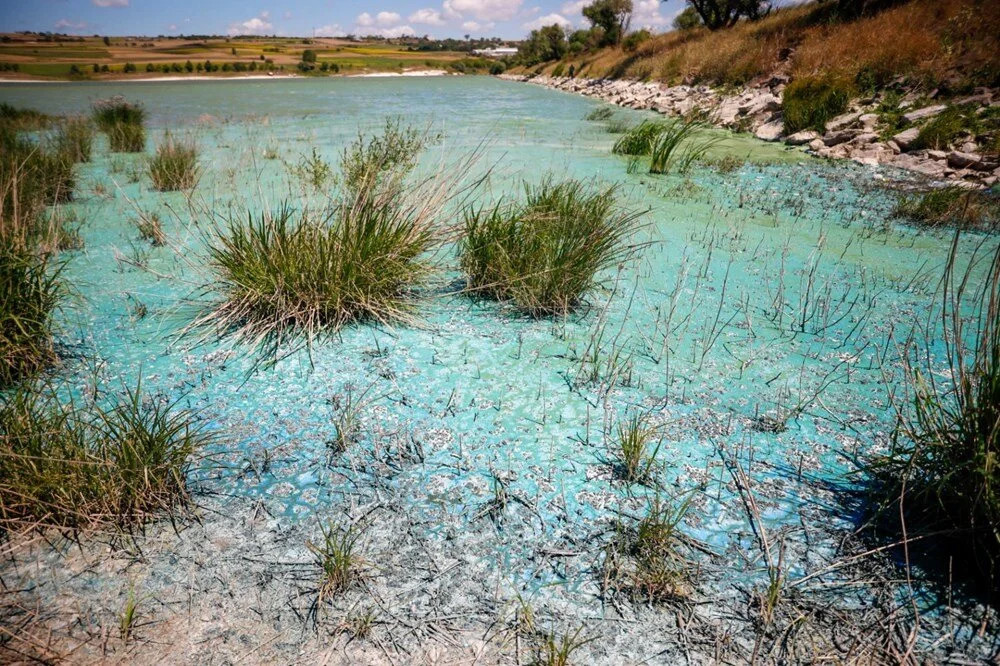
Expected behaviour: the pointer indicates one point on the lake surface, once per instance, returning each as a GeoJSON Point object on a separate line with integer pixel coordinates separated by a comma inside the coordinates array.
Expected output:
{"type": "Point", "coordinates": [771, 290]}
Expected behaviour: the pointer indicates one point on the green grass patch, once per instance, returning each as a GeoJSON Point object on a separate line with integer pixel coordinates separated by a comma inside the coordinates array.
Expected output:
{"type": "Point", "coordinates": [951, 206]}
{"type": "Point", "coordinates": [809, 102]}
{"type": "Point", "coordinates": [545, 254]}
{"type": "Point", "coordinates": [75, 138]}
{"type": "Point", "coordinates": [30, 293]}
{"type": "Point", "coordinates": [175, 164]}
{"type": "Point", "coordinates": [640, 139]}
{"type": "Point", "coordinates": [122, 122]}
{"type": "Point", "coordinates": [78, 466]}
{"type": "Point", "coordinates": [939, 484]}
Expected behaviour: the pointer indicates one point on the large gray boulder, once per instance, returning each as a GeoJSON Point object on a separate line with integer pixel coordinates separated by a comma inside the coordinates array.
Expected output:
{"type": "Point", "coordinates": [906, 138]}
{"type": "Point", "coordinates": [926, 112]}
{"type": "Point", "coordinates": [842, 121]}
{"type": "Point", "coordinates": [800, 138]}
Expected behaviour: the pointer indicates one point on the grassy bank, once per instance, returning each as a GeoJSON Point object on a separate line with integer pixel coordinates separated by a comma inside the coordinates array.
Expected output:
{"type": "Point", "coordinates": [949, 44]}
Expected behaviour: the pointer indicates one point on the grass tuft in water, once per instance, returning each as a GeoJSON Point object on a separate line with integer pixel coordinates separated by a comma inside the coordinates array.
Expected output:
{"type": "Point", "coordinates": [75, 138]}
{"type": "Point", "coordinates": [30, 293]}
{"type": "Point", "coordinates": [175, 165]}
{"type": "Point", "coordinates": [379, 162]}
{"type": "Point", "coordinates": [646, 561]}
{"type": "Point", "coordinates": [72, 466]}
{"type": "Point", "coordinates": [640, 139]}
{"type": "Point", "coordinates": [545, 254]}
{"type": "Point", "coordinates": [600, 113]}
{"type": "Point", "coordinates": [666, 151]}
{"type": "Point", "coordinates": [940, 482]}
{"type": "Point", "coordinates": [122, 122]}
{"type": "Point", "coordinates": [957, 206]}
{"type": "Point", "coordinates": [630, 449]}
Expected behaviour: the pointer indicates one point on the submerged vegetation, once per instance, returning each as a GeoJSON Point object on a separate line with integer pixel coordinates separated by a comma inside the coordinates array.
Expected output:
{"type": "Point", "coordinates": [546, 253]}
{"type": "Point", "coordinates": [76, 466]}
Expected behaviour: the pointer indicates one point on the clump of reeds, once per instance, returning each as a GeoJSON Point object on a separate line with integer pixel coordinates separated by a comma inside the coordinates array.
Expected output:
{"type": "Point", "coordinates": [640, 139]}
{"type": "Point", "coordinates": [30, 294]}
{"type": "Point", "coordinates": [123, 123]}
{"type": "Point", "coordinates": [175, 164]}
{"type": "Point", "coordinates": [546, 253]}
{"type": "Point", "coordinates": [151, 229]}
{"type": "Point", "coordinates": [289, 274]}
{"type": "Point", "coordinates": [75, 138]}
{"type": "Point", "coordinates": [940, 483]}
{"type": "Point", "coordinates": [666, 151]}
{"type": "Point", "coordinates": [77, 466]}
{"type": "Point", "coordinates": [646, 560]}
{"type": "Point", "coordinates": [600, 113]}
{"type": "Point", "coordinates": [630, 449]}
{"type": "Point", "coordinates": [336, 556]}
{"type": "Point", "coordinates": [953, 205]}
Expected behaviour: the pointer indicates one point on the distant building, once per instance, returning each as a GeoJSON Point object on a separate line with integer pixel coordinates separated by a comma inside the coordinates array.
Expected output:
{"type": "Point", "coordinates": [496, 52]}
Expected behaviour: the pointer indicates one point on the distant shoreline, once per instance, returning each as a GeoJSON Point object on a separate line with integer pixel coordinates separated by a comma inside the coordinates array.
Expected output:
{"type": "Point", "coordinates": [249, 77]}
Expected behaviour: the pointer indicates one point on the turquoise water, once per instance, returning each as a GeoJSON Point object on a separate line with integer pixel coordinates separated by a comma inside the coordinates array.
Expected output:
{"type": "Point", "coordinates": [773, 289]}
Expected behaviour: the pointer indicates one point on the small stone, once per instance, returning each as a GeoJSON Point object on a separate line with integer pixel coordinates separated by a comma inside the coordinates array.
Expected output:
{"type": "Point", "coordinates": [893, 146]}
{"type": "Point", "coordinates": [771, 131]}
{"type": "Point", "coordinates": [906, 137]}
{"type": "Point", "coordinates": [937, 154]}
{"type": "Point", "coordinates": [816, 144]}
{"type": "Point", "coordinates": [842, 121]}
{"type": "Point", "coordinates": [836, 138]}
{"type": "Point", "coordinates": [801, 137]}
{"type": "Point", "coordinates": [960, 160]}
{"type": "Point", "coordinates": [865, 137]}
{"type": "Point", "coordinates": [869, 120]}
{"type": "Point", "coordinates": [926, 112]}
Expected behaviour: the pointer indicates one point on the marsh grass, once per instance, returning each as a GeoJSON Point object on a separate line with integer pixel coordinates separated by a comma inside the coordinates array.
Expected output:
{"type": "Point", "coordinates": [556, 649]}
{"type": "Point", "coordinates": [601, 113]}
{"type": "Point", "coordinates": [337, 558]}
{"type": "Point", "coordinates": [640, 139]}
{"type": "Point", "coordinates": [630, 449]}
{"type": "Point", "coordinates": [678, 146]}
{"type": "Point", "coordinates": [312, 170]}
{"type": "Point", "coordinates": [75, 138]}
{"type": "Point", "coordinates": [617, 126]}
{"type": "Point", "coordinates": [958, 206]}
{"type": "Point", "coordinates": [122, 122]}
{"type": "Point", "coordinates": [127, 618]}
{"type": "Point", "coordinates": [175, 164]}
{"type": "Point", "coordinates": [77, 466]}
{"type": "Point", "coordinates": [150, 229]}
{"type": "Point", "coordinates": [646, 561]}
{"type": "Point", "coordinates": [379, 162]}
{"type": "Point", "coordinates": [546, 253]}
{"type": "Point", "coordinates": [31, 291]}
{"type": "Point", "coordinates": [940, 482]}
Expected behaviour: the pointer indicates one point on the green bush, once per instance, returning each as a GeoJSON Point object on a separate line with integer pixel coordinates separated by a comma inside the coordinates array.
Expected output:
{"type": "Point", "coordinates": [544, 254]}
{"type": "Point", "coordinates": [810, 102]}
{"type": "Point", "coordinates": [634, 39]}
{"type": "Point", "coordinates": [941, 130]}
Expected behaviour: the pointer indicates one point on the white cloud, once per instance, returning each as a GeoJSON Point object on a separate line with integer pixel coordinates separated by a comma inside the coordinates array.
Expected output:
{"type": "Point", "coordinates": [397, 31]}
{"type": "Point", "coordinates": [172, 27]}
{"type": "Point", "coordinates": [574, 7]}
{"type": "Point", "coordinates": [475, 26]}
{"type": "Point", "coordinates": [66, 24]}
{"type": "Point", "coordinates": [365, 19]}
{"type": "Point", "coordinates": [110, 3]}
{"type": "Point", "coordinates": [647, 15]}
{"type": "Point", "coordinates": [329, 30]}
{"type": "Point", "coordinates": [387, 19]}
{"type": "Point", "coordinates": [427, 16]}
{"type": "Point", "coordinates": [548, 19]}
{"type": "Point", "coordinates": [258, 25]}
{"type": "Point", "coordinates": [484, 10]}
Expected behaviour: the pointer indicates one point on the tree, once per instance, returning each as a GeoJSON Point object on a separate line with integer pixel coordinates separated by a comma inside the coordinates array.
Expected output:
{"type": "Point", "coordinates": [716, 14]}
{"type": "Point", "coordinates": [128, 68]}
{"type": "Point", "coordinates": [107, 41]}
{"type": "Point", "coordinates": [687, 19]}
{"type": "Point", "coordinates": [542, 45]}
{"type": "Point", "coordinates": [189, 66]}
{"type": "Point", "coordinates": [611, 16]}
{"type": "Point", "coordinates": [308, 56]}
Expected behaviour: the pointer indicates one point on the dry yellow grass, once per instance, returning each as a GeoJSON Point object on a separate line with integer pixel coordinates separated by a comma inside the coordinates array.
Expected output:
{"type": "Point", "coordinates": [933, 41]}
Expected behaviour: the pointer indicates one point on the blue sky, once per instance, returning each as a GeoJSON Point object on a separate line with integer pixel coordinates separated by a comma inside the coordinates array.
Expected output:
{"type": "Point", "coordinates": [509, 19]}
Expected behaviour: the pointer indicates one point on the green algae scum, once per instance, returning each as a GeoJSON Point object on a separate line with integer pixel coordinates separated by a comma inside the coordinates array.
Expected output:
{"type": "Point", "coordinates": [669, 464]}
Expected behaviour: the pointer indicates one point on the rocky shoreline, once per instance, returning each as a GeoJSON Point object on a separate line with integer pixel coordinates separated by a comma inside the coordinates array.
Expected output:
{"type": "Point", "coordinates": [757, 109]}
